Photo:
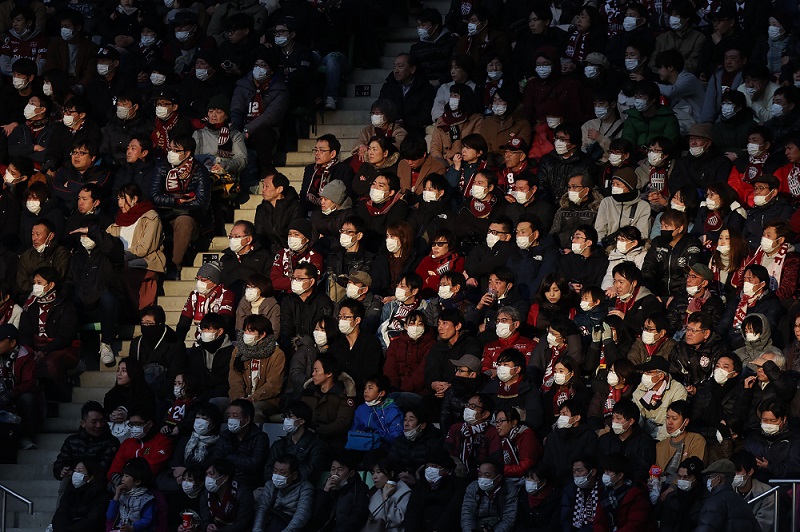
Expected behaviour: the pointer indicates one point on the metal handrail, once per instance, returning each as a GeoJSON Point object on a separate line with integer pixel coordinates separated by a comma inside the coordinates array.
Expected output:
{"type": "Point", "coordinates": [772, 492]}
{"type": "Point", "coordinates": [6, 492]}
{"type": "Point", "coordinates": [764, 495]}
{"type": "Point", "coordinates": [794, 482]}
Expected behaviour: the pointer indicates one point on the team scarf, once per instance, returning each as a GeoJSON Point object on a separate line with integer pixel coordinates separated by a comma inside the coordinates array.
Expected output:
{"type": "Point", "coordinates": [6, 310]}
{"type": "Point", "coordinates": [510, 449]}
{"type": "Point", "coordinates": [224, 140]}
{"type": "Point", "coordinates": [625, 306]}
{"type": "Point", "coordinates": [776, 268]}
{"type": "Point", "coordinates": [223, 509]}
{"type": "Point", "coordinates": [376, 209]}
{"type": "Point", "coordinates": [585, 507]}
{"type": "Point", "coordinates": [178, 177]}
{"type": "Point", "coordinates": [613, 397]}
{"type": "Point", "coordinates": [506, 177]}
{"type": "Point", "coordinates": [659, 177]}
{"type": "Point", "coordinates": [482, 209]}
{"type": "Point", "coordinates": [793, 180]}
{"type": "Point", "coordinates": [473, 438]}
{"type": "Point", "coordinates": [754, 168]}
{"type": "Point", "coordinates": [555, 354]}
{"type": "Point", "coordinates": [320, 178]}
{"type": "Point", "coordinates": [160, 135]}
{"type": "Point", "coordinates": [464, 185]}
{"type": "Point", "coordinates": [576, 47]}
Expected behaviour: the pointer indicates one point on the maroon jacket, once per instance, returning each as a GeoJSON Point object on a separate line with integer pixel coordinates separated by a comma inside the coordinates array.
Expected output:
{"type": "Point", "coordinates": [21, 375]}
{"type": "Point", "coordinates": [405, 362]}
{"type": "Point", "coordinates": [635, 513]}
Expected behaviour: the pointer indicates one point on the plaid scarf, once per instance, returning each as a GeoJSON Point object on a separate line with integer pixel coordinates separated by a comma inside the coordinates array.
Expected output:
{"type": "Point", "coordinates": [160, 135]}
{"type": "Point", "coordinates": [585, 507]}
{"type": "Point", "coordinates": [320, 178]}
{"type": "Point", "coordinates": [197, 447]}
{"type": "Point", "coordinates": [612, 497]}
{"type": "Point", "coordinates": [473, 438]}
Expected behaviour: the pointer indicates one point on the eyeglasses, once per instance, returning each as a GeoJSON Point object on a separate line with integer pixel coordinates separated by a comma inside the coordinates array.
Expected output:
{"type": "Point", "coordinates": [79, 152]}
{"type": "Point", "coordinates": [693, 276]}
{"type": "Point", "coordinates": [319, 150]}
{"type": "Point", "coordinates": [439, 244]}
{"type": "Point", "coordinates": [761, 188]}
{"type": "Point", "coordinates": [346, 317]}
{"type": "Point", "coordinates": [694, 331]}
{"type": "Point", "coordinates": [650, 329]}
{"type": "Point", "coordinates": [498, 421]}
{"type": "Point", "coordinates": [348, 232]}
{"type": "Point", "coordinates": [300, 278]}
{"type": "Point", "coordinates": [495, 232]}
{"type": "Point", "coordinates": [474, 406]}
{"type": "Point", "coordinates": [148, 323]}
{"type": "Point", "coordinates": [578, 237]}
{"type": "Point", "coordinates": [237, 236]}
{"type": "Point", "coordinates": [575, 187]}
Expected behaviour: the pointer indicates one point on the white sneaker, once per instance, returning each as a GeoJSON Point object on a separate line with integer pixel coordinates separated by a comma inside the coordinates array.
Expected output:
{"type": "Point", "coordinates": [330, 103]}
{"type": "Point", "coordinates": [107, 355]}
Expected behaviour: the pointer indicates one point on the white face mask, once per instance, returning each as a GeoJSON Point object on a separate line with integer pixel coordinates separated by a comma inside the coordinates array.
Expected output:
{"type": "Point", "coordinates": [182, 36]}
{"type": "Point", "coordinates": [352, 291]}
{"type": "Point", "coordinates": [677, 207]}
{"type": "Point", "coordinates": [577, 248]}
{"type": "Point", "coordinates": [504, 373]}
{"type": "Point", "coordinates": [697, 151]}
{"type": "Point", "coordinates": [491, 240]}
{"type": "Point", "coordinates": [692, 290]}
{"type": "Point", "coordinates": [586, 306]}
{"type": "Point", "coordinates": [433, 475]}
{"type": "Point", "coordinates": [346, 241]}
{"type": "Point", "coordinates": [415, 332]}
{"type": "Point", "coordinates": [654, 158]}
{"type": "Point", "coordinates": [392, 245]}
{"type": "Point", "coordinates": [211, 483]}
{"type": "Point", "coordinates": [601, 112]}
{"type": "Point", "coordinates": [401, 294]}
{"type": "Point", "coordinates": [753, 149]}
{"type": "Point", "coordinates": [320, 338]}
{"type": "Point", "coordinates": [33, 206]}
{"type": "Point", "coordinates": [618, 428]}
{"type": "Point", "coordinates": [543, 71]}
{"type": "Point", "coordinates": [78, 479]}
{"type": "Point", "coordinates": [472, 28]}
{"type": "Point", "coordinates": [751, 337]}
{"type": "Point", "coordinates": [499, 110]}
{"type": "Point", "coordinates": [524, 242]}
{"type": "Point", "coordinates": [560, 378]}
{"type": "Point", "coordinates": [591, 72]}
{"type": "Point", "coordinates": [485, 484]}
{"type": "Point", "coordinates": [189, 489]}
{"type": "Point", "coordinates": [728, 110]}
{"type": "Point", "coordinates": [289, 425]}
{"type": "Point", "coordinates": [423, 34]}
{"type": "Point", "coordinates": [531, 486]}
{"type": "Point", "coordinates": [177, 391]}
{"type": "Point", "coordinates": [767, 244]}
{"type": "Point", "coordinates": [520, 197]}
{"type": "Point", "coordinates": [37, 290]}
{"type": "Point", "coordinates": [758, 201]}
{"type": "Point", "coordinates": [608, 480]}
{"type": "Point", "coordinates": [503, 330]}
{"type": "Point", "coordinates": [574, 196]}
{"type": "Point", "coordinates": [297, 287]}
{"type": "Point", "coordinates": [631, 64]}
{"type": "Point", "coordinates": [103, 69]}
{"type": "Point", "coordinates": [346, 326]}
{"type": "Point", "coordinates": [470, 415]}
{"type": "Point", "coordinates": [295, 243]}
{"type": "Point", "coordinates": [445, 292]}
{"type": "Point", "coordinates": [454, 103]}
{"type": "Point", "coordinates": [720, 376]}
{"type": "Point", "coordinates": [162, 112]}
{"type": "Point", "coordinates": [617, 190]}
{"type": "Point", "coordinates": [235, 244]}
{"type": "Point", "coordinates": [377, 120]}
{"type": "Point", "coordinates": [675, 433]}
{"type": "Point", "coordinates": [581, 482]}
{"type": "Point", "coordinates": [563, 422]}
{"type": "Point", "coordinates": [640, 104]}
{"type": "Point", "coordinates": [201, 426]}
{"type": "Point", "coordinates": [478, 192]}
{"type": "Point", "coordinates": [615, 159]}
{"type": "Point", "coordinates": [208, 336]}
{"type": "Point", "coordinates": [68, 120]}
{"type": "Point", "coordinates": [553, 122]}
{"type": "Point", "coordinates": [137, 432]}
{"type": "Point", "coordinates": [87, 243]}
{"type": "Point", "coordinates": [769, 429]}
{"type": "Point", "coordinates": [281, 40]}
{"type": "Point", "coordinates": [684, 484]}
{"type": "Point", "coordinates": [748, 289]}
{"type": "Point", "coordinates": [776, 109]}
{"type": "Point", "coordinates": [612, 379]}
{"type": "Point", "coordinates": [377, 195]}
{"type": "Point", "coordinates": [648, 338]}
{"type": "Point", "coordinates": [234, 425]}
{"type": "Point", "coordinates": [552, 341]}
{"type": "Point", "coordinates": [712, 205]}
{"type": "Point", "coordinates": [157, 79]}
{"type": "Point", "coordinates": [29, 111]}
{"type": "Point", "coordinates": [647, 382]}
{"type": "Point", "coordinates": [429, 195]}
{"type": "Point", "coordinates": [8, 178]}
{"type": "Point", "coordinates": [202, 287]}
{"type": "Point", "coordinates": [47, 89]}
{"type": "Point", "coordinates": [629, 23]}
{"type": "Point", "coordinates": [279, 481]}
{"type": "Point", "coordinates": [174, 158]}
{"type": "Point", "coordinates": [249, 338]}
{"type": "Point", "coordinates": [147, 40]}
{"type": "Point", "coordinates": [561, 146]}
{"type": "Point", "coordinates": [675, 22]}
{"type": "Point", "coordinates": [123, 113]}
{"type": "Point", "coordinates": [201, 73]}
{"type": "Point", "coordinates": [774, 32]}
{"type": "Point", "coordinates": [67, 34]}
{"type": "Point", "coordinates": [259, 73]}
{"type": "Point", "coordinates": [723, 249]}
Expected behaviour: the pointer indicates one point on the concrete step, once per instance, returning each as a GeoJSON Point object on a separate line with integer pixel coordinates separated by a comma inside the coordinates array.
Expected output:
{"type": "Point", "coordinates": [82, 394]}
{"type": "Point", "coordinates": [174, 303]}
{"type": "Point", "coordinates": [53, 425]}
{"type": "Point", "coordinates": [97, 379]}
{"type": "Point", "coordinates": [345, 117]}
{"type": "Point", "coordinates": [352, 103]}
{"type": "Point", "coordinates": [41, 456]}
{"type": "Point", "coordinates": [37, 521]}
{"type": "Point", "coordinates": [369, 75]}
{"type": "Point", "coordinates": [407, 35]}
{"type": "Point", "coordinates": [349, 131]}
{"type": "Point", "coordinates": [188, 272]}
{"type": "Point", "coordinates": [243, 214]}
{"type": "Point", "coordinates": [51, 442]}
{"type": "Point", "coordinates": [42, 471]}
{"type": "Point", "coordinates": [374, 90]}
{"type": "Point", "coordinates": [179, 288]}
{"type": "Point", "coordinates": [392, 49]}
{"type": "Point", "coordinates": [295, 173]}
{"type": "Point", "coordinates": [254, 201]}
{"type": "Point", "coordinates": [301, 158]}
{"type": "Point", "coordinates": [443, 6]}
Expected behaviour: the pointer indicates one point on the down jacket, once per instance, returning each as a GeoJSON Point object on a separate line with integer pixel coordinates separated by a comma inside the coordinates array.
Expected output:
{"type": "Point", "coordinates": [726, 510]}
{"type": "Point", "coordinates": [275, 102]}
{"type": "Point", "coordinates": [332, 412]}
{"type": "Point", "coordinates": [295, 501]}
{"type": "Point", "coordinates": [569, 216]}
{"type": "Point", "coordinates": [83, 445]}
{"type": "Point", "coordinates": [663, 268]}
{"type": "Point", "coordinates": [199, 186]}
{"type": "Point", "coordinates": [501, 505]}
{"type": "Point", "coordinates": [405, 362]}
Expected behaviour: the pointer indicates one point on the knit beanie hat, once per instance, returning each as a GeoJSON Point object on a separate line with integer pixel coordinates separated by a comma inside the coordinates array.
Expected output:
{"type": "Point", "coordinates": [211, 271]}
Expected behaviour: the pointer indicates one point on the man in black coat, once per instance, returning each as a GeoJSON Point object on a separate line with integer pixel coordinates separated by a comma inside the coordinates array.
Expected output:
{"type": "Point", "coordinates": [453, 342]}
{"type": "Point", "coordinates": [243, 258]}
{"type": "Point", "coordinates": [411, 94]}
{"type": "Point", "coordinates": [435, 47]}
{"type": "Point", "coordinates": [279, 206]}
{"type": "Point", "coordinates": [536, 257]}
{"type": "Point", "coordinates": [704, 165]}
{"type": "Point", "coordinates": [304, 307]}
{"type": "Point", "coordinates": [325, 169]}
{"type": "Point", "coordinates": [244, 444]}
{"type": "Point", "coordinates": [628, 438]}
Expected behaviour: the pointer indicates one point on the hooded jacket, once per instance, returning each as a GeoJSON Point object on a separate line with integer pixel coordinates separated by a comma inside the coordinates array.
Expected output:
{"type": "Point", "coordinates": [752, 350]}
{"type": "Point", "coordinates": [635, 255]}
{"type": "Point", "coordinates": [215, 378]}
{"type": "Point", "coordinates": [654, 415]}
{"type": "Point", "coordinates": [385, 419]}
{"type": "Point", "coordinates": [332, 411]}
{"type": "Point", "coordinates": [570, 215]}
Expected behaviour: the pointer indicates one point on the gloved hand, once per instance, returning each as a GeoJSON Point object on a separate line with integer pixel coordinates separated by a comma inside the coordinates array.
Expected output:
{"type": "Point", "coordinates": [597, 335]}
{"type": "Point", "coordinates": [606, 332]}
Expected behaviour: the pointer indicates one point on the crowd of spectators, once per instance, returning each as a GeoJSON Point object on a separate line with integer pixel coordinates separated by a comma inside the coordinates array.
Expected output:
{"type": "Point", "coordinates": [552, 285]}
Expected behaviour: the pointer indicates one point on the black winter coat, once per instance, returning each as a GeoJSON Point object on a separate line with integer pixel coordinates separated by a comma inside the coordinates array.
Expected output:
{"type": "Point", "coordinates": [782, 451]}
{"type": "Point", "coordinates": [482, 260]}
{"type": "Point", "coordinates": [699, 172]}
{"type": "Point", "coordinates": [777, 209]}
{"type": "Point", "coordinates": [676, 311]}
{"type": "Point", "coordinates": [215, 381]}
{"type": "Point", "coordinates": [140, 172]}
{"type": "Point", "coordinates": [587, 271]}
{"type": "Point", "coordinates": [725, 509]}
{"type": "Point", "coordinates": [272, 223]}
{"type": "Point", "coordinates": [299, 317]}
{"type": "Point", "coordinates": [639, 448]}
{"type": "Point", "coordinates": [433, 58]}
{"type": "Point", "coordinates": [61, 326]}
{"type": "Point", "coordinates": [339, 171]}
{"type": "Point", "coordinates": [22, 140]}
{"type": "Point", "coordinates": [310, 451]}
{"type": "Point", "coordinates": [413, 107]}
{"type": "Point", "coordinates": [247, 454]}
{"type": "Point", "coordinates": [342, 510]}
{"type": "Point", "coordinates": [663, 267]}
{"type": "Point", "coordinates": [411, 455]}
{"type": "Point", "coordinates": [82, 445]}
{"type": "Point", "coordinates": [527, 399]}
{"type": "Point", "coordinates": [361, 361]}
{"type": "Point", "coordinates": [375, 226]}
{"type": "Point", "coordinates": [237, 268]}
{"type": "Point", "coordinates": [564, 445]}
{"type": "Point", "coordinates": [555, 171]}
{"type": "Point", "coordinates": [169, 352]}
{"type": "Point", "coordinates": [768, 304]}
{"type": "Point", "coordinates": [382, 281]}
{"type": "Point", "coordinates": [456, 397]}
{"type": "Point", "coordinates": [531, 265]}
{"type": "Point", "coordinates": [82, 508]}
{"type": "Point", "coordinates": [540, 512]}
{"type": "Point", "coordinates": [691, 365]}
{"type": "Point", "coordinates": [438, 366]}
{"type": "Point", "coordinates": [435, 509]}
{"type": "Point", "coordinates": [93, 273]}
{"type": "Point", "coordinates": [712, 404]}
{"type": "Point", "coordinates": [781, 386]}
{"type": "Point", "coordinates": [118, 133]}
{"type": "Point", "coordinates": [199, 185]}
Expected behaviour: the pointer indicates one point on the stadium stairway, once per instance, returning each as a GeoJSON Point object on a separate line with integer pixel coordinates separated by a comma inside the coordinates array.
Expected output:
{"type": "Point", "coordinates": [32, 476]}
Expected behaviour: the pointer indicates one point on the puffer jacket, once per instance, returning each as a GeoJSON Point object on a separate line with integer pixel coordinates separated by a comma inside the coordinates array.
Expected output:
{"type": "Point", "coordinates": [118, 133]}
{"type": "Point", "coordinates": [655, 415]}
{"type": "Point", "coordinates": [93, 273]}
{"type": "Point", "coordinates": [663, 268]}
{"type": "Point", "coordinates": [555, 171]}
{"type": "Point", "coordinates": [294, 502]}
{"type": "Point", "coordinates": [332, 411]}
{"type": "Point", "coordinates": [275, 103]}
{"type": "Point", "coordinates": [478, 505]}
{"type": "Point", "coordinates": [639, 354]}
{"type": "Point", "coordinates": [640, 130]}
{"type": "Point", "coordinates": [676, 311]}
{"type": "Point", "coordinates": [712, 404]}
{"type": "Point", "coordinates": [699, 172]}
{"type": "Point", "coordinates": [385, 420]}
{"type": "Point", "coordinates": [638, 448]}
{"type": "Point", "coordinates": [199, 185]}
{"type": "Point", "coordinates": [298, 317]}
{"type": "Point", "coordinates": [310, 451]}
{"type": "Point", "coordinates": [752, 350]}
{"type": "Point", "coordinates": [411, 455]}
{"type": "Point", "coordinates": [781, 450]}
{"type": "Point", "coordinates": [30, 260]}
{"type": "Point", "coordinates": [338, 171]}
{"type": "Point", "coordinates": [247, 454]}
{"type": "Point", "coordinates": [569, 216]}
{"type": "Point", "coordinates": [690, 365]}
{"type": "Point", "coordinates": [613, 214]}
{"type": "Point", "coordinates": [405, 362]}
{"type": "Point", "coordinates": [635, 255]}
{"type": "Point", "coordinates": [726, 510]}
{"type": "Point", "coordinates": [272, 223]}
{"type": "Point", "coordinates": [139, 172]}
{"type": "Point", "coordinates": [776, 209]}
{"type": "Point", "coordinates": [61, 327]}
{"type": "Point", "coordinates": [82, 445]}
{"type": "Point", "coordinates": [300, 366]}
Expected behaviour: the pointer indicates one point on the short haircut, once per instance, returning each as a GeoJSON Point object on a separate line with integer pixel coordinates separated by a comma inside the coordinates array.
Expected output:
{"type": "Point", "coordinates": [515, 357]}
{"type": "Point", "coordinates": [505, 221]}
{"type": "Point", "coordinates": [247, 407]}
{"type": "Point", "coordinates": [776, 406]}
{"type": "Point", "coordinates": [489, 176]}
{"type": "Point", "coordinates": [51, 228]}
{"type": "Point", "coordinates": [156, 312]}
{"type": "Point", "coordinates": [573, 131]}
{"type": "Point", "coordinates": [628, 271]}
{"type": "Point", "coordinates": [355, 306]}
{"type": "Point", "coordinates": [258, 323]}
{"type": "Point", "coordinates": [630, 232]}
{"type": "Point", "coordinates": [670, 58]}
{"type": "Point", "coordinates": [329, 364]}
{"type": "Point", "coordinates": [511, 312]}
{"type": "Point", "coordinates": [681, 407]}
{"type": "Point", "coordinates": [627, 409]}
{"type": "Point", "coordinates": [413, 147]}
{"type": "Point", "coordinates": [333, 142]}
{"type": "Point", "coordinates": [589, 461]}
{"type": "Point", "coordinates": [754, 322]}
{"type": "Point", "coordinates": [743, 460]}
{"type": "Point", "coordinates": [212, 320]}
{"type": "Point", "coordinates": [431, 15]}
{"type": "Point", "coordinates": [586, 179]}
{"type": "Point", "coordinates": [94, 190]}
{"type": "Point", "coordinates": [624, 368]}
{"type": "Point", "coordinates": [144, 141]}
{"type": "Point", "coordinates": [290, 460]}
{"type": "Point", "coordinates": [455, 278]}
{"type": "Point", "coordinates": [49, 274]}
{"type": "Point", "coordinates": [385, 107]}
{"type": "Point", "coordinates": [91, 406]}
{"type": "Point", "coordinates": [576, 408]}
{"type": "Point", "coordinates": [594, 292]}
{"type": "Point", "coordinates": [763, 131]}
{"type": "Point", "coordinates": [452, 315]}
{"type": "Point", "coordinates": [413, 280]}
{"type": "Point", "coordinates": [357, 222]}
{"type": "Point", "coordinates": [704, 319]}
{"type": "Point", "coordinates": [477, 142]}
{"type": "Point", "coordinates": [392, 180]}
{"type": "Point", "coordinates": [648, 89]}
{"type": "Point", "coordinates": [186, 142]}
{"type": "Point", "coordinates": [503, 274]}
{"type": "Point", "coordinates": [675, 218]}
{"type": "Point", "coordinates": [759, 272]}
{"type": "Point", "coordinates": [437, 181]}
{"type": "Point", "coordinates": [263, 283]}
{"type": "Point", "coordinates": [83, 141]}
{"type": "Point", "coordinates": [381, 382]}
{"type": "Point", "coordinates": [309, 269]}
{"type": "Point", "coordinates": [616, 463]}
{"type": "Point", "coordinates": [223, 466]}
{"type": "Point", "coordinates": [589, 232]}
{"type": "Point", "coordinates": [300, 410]}
{"type": "Point", "coordinates": [660, 320]}
{"type": "Point", "coordinates": [75, 17]}
{"type": "Point", "coordinates": [23, 165]}
{"type": "Point", "coordinates": [279, 180]}
{"type": "Point", "coordinates": [247, 225]}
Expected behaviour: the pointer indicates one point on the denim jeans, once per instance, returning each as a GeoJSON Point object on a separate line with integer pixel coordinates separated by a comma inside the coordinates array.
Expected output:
{"type": "Point", "coordinates": [334, 62]}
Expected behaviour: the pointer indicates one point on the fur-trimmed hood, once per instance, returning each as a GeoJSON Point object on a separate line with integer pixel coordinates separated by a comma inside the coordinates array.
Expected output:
{"type": "Point", "coordinates": [345, 381]}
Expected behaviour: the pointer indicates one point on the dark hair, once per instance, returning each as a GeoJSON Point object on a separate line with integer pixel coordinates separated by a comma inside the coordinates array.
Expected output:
{"type": "Point", "coordinates": [431, 15]}
{"type": "Point", "coordinates": [156, 312]}
{"type": "Point", "coordinates": [452, 315]}
{"type": "Point", "coordinates": [331, 326]}
{"type": "Point", "coordinates": [490, 176]}
{"type": "Point", "coordinates": [191, 383]}
{"type": "Point", "coordinates": [310, 269]}
{"type": "Point", "coordinates": [138, 469]}
{"type": "Point", "coordinates": [670, 58]}
{"type": "Point", "coordinates": [736, 98]}
{"type": "Point", "coordinates": [385, 107]}
{"type": "Point", "coordinates": [505, 221]}
{"type": "Point", "coordinates": [24, 66]}
{"type": "Point", "coordinates": [743, 460]}
{"type": "Point", "coordinates": [186, 142]}
{"type": "Point", "coordinates": [589, 232]}
{"type": "Point", "coordinates": [329, 364]}
{"type": "Point", "coordinates": [132, 190]}
{"type": "Point", "coordinates": [616, 463]}
{"type": "Point", "coordinates": [466, 101]}
{"type": "Point", "coordinates": [627, 409]}
{"type": "Point", "coordinates": [300, 410]}
{"type": "Point", "coordinates": [735, 360]}
{"type": "Point", "coordinates": [703, 318]}
{"type": "Point", "coordinates": [764, 131]}
{"type": "Point", "coordinates": [628, 271]}
{"type": "Point", "coordinates": [573, 131]}
{"type": "Point", "coordinates": [486, 401]}
{"type": "Point", "coordinates": [776, 406]}
{"type": "Point", "coordinates": [437, 181]}
{"type": "Point", "coordinates": [23, 165]}
{"type": "Point", "coordinates": [263, 283]}
{"type": "Point", "coordinates": [94, 190]}
{"type": "Point", "coordinates": [413, 147]}
{"type": "Point", "coordinates": [464, 62]}
{"type": "Point", "coordinates": [477, 142]}
{"type": "Point", "coordinates": [576, 408]}
{"type": "Point", "coordinates": [247, 407]}
{"type": "Point", "coordinates": [258, 323]}
{"type": "Point", "coordinates": [589, 461]}
{"type": "Point", "coordinates": [144, 141]}
{"type": "Point", "coordinates": [223, 466]}
{"type": "Point", "coordinates": [515, 357]}
{"type": "Point", "coordinates": [83, 141]}
{"type": "Point", "coordinates": [211, 411]}
{"type": "Point", "coordinates": [558, 279]}
{"type": "Point", "coordinates": [48, 273]}
{"type": "Point", "coordinates": [355, 306]}
{"type": "Point", "coordinates": [455, 278]}
{"type": "Point", "coordinates": [623, 145]}
{"type": "Point", "coordinates": [625, 369]}
{"type": "Point", "coordinates": [290, 460]}
{"type": "Point", "coordinates": [279, 180]}
{"type": "Point", "coordinates": [347, 458]}
{"type": "Point", "coordinates": [660, 320]}
{"type": "Point", "coordinates": [91, 406]}
{"type": "Point", "coordinates": [212, 320]}
{"type": "Point", "coordinates": [333, 142]}
{"type": "Point", "coordinates": [402, 230]}
{"type": "Point", "coordinates": [593, 291]}
{"type": "Point", "coordinates": [381, 382]}
{"type": "Point", "coordinates": [412, 280]}
{"type": "Point", "coordinates": [648, 89]}
{"type": "Point", "coordinates": [754, 322]}
{"type": "Point", "coordinates": [75, 17]}
{"type": "Point", "coordinates": [756, 70]}
{"type": "Point", "coordinates": [26, 12]}
{"type": "Point", "coordinates": [681, 407]}
{"type": "Point", "coordinates": [564, 326]}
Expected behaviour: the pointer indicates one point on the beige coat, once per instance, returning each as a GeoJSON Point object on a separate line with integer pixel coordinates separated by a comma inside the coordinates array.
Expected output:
{"type": "Point", "coordinates": [269, 308]}
{"type": "Point", "coordinates": [148, 240]}
{"type": "Point", "coordinates": [498, 132]}
{"type": "Point", "coordinates": [443, 147]}
{"type": "Point", "coordinates": [430, 166]}
{"type": "Point", "coordinates": [267, 383]}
